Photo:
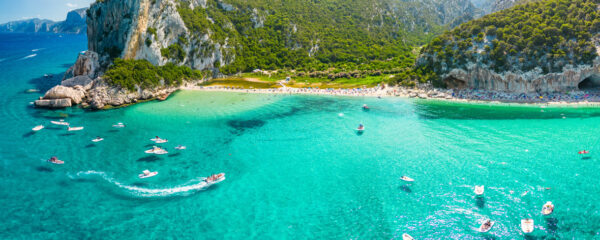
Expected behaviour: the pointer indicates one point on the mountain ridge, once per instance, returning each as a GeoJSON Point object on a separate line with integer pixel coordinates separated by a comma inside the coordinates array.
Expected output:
{"type": "Point", "coordinates": [74, 23]}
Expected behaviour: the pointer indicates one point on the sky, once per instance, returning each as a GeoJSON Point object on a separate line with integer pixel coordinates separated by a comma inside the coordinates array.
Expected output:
{"type": "Point", "coordinates": [11, 10]}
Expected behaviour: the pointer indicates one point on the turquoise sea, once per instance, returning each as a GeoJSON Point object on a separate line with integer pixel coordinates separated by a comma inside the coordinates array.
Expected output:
{"type": "Point", "coordinates": [295, 167]}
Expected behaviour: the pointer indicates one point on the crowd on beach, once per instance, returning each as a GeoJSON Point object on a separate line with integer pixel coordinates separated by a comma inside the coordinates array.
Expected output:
{"type": "Point", "coordinates": [591, 97]}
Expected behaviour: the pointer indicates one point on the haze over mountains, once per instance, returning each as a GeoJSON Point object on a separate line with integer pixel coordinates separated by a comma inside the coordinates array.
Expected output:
{"type": "Point", "coordinates": [75, 23]}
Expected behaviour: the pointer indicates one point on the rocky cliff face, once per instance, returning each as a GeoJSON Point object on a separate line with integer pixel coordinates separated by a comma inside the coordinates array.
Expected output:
{"type": "Point", "coordinates": [140, 29]}
{"type": "Point", "coordinates": [75, 24]}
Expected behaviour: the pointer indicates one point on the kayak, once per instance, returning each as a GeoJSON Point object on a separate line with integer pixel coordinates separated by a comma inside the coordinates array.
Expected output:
{"type": "Point", "coordinates": [37, 128]}
{"type": "Point", "coordinates": [486, 226]}
{"type": "Point", "coordinates": [407, 179]}
{"type": "Point", "coordinates": [59, 162]}
{"type": "Point", "coordinates": [405, 236]}
{"type": "Point", "coordinates": [479, 190]}
{"type": "Point", "coordinates": [583, 152]}
{"type": "Point", "coordinates": [527, 225]}
{"type": "Point", "coordinates": [75, 128]}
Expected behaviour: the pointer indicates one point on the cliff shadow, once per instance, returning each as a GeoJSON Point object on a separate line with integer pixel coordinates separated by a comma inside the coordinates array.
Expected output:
{"type": "Point", "coordinates": [45, 82]}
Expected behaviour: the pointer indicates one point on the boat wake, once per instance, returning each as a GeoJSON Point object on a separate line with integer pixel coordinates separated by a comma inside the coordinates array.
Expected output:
{"type": "Point", "coordinates": [193, 186]}
{"type": "Point", "coordinates": [29, 56]}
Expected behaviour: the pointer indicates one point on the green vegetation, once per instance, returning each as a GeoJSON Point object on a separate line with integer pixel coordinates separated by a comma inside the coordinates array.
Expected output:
{"type": "Point", "coordinates": [174, 51]}
{"type": "Point", "coordinates": [303, 35]}
{"type": "Point", "coordinates": [131, 73]}
{"type": "Point", "coordinates": [240, 83]}
{"type": "Point", "coordinates": [548, 34]}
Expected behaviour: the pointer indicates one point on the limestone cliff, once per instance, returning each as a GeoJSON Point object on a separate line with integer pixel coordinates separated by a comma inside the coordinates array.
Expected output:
{"type": "Point", "coordinates": [535, 47]}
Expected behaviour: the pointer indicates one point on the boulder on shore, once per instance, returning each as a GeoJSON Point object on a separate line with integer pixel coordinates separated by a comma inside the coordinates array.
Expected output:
{"type": "Point", "coordinates": [53, 103]}
{"type": "Point", "coordinates": [84, 81]}
{"type": "Point", "coordinates": [75, 94]}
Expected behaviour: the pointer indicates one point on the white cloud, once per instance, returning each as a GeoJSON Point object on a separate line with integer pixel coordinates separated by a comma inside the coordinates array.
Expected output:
{"type": "Point", "coordinates": [71, 5]}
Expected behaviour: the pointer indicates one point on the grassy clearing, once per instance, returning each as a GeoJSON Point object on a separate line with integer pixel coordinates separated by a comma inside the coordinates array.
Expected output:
{"type": "Point", "coordinates": [261, 81]}
{"type": "Point", "coordinates": [240, 83]}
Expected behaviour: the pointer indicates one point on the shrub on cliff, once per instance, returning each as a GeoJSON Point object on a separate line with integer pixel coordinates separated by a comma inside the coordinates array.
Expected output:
{"type": "Point", "coordinates": [131, 73]}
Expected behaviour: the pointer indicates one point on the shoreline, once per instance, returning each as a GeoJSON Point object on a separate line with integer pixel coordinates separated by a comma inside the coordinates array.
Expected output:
{"type": "Point", "coordinates": [433, 95]}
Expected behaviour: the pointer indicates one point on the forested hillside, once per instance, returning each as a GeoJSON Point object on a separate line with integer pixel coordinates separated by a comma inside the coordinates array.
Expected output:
{"type": "Point", "coordinates": [546, 34]}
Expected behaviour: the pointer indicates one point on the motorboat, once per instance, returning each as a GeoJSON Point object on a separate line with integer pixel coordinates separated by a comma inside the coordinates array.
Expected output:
{"type": "Point", "coordinates": [360, 128]}
{"type": "Point", "coordinates": [55, 160]}
{"type": "Point", "coordinates": [161, 141]}
{"type": "Point", "coordinates": [118, 125]}
{"type": "Point", "coordinates": [155, 139]}
{"type": "Point", "coordinates": [527, 225]}
{"type": "Point", "coordinates": [180, 147]}
{"type": "Point", "coordinates": [548, 208]}
{"type": "Point", "coordinates": [486, 226]}
{"type": "Point", "coordinates": [37, 128]}
{"type": "Point", "coordinates": [156, 150]}
{"type": "Point", "coordinates": [146, 174]}
{"type": "Point", "coordinates": [98, 139]}
{"type": "Point", "coordinates": [479, 190]}
{"type": "Point", "coordinates": [583, 152]}
{"type": "Point", "coordinates": [406, 179]}
{"type": "Point", "coordinates": [61, 122]}
{"type": "Point", "coordinates": [214, 179]}
{"type": "Point", "coordinates": [33, 90]}
{"type": "Point", "coordinates": [74, 128]}
{"type": "Point", "coordinates": [405, 236]}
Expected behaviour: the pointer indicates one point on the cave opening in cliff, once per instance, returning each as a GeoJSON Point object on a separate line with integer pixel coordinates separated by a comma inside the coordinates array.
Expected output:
{"type": "Point", "coordinates": [590, 83]}
{"type": "Point", "coordinates": [455, 83]}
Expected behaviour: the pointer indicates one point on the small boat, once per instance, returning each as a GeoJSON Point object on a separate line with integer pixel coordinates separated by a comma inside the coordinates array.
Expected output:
{"type": "Point", "coordinates": [406, 179]}
{"type": "Point", "coordinates": [146, 174]}
{"type": "Point", "coordinates": [486, 226]}
{"type": "Point", "coordinates": [527, 225]}
{"type": "Point", "coordinates": [405, 236]}
{"type": "Point", "coordinates": [479, 190]}
{"type": "Point", "coordinates": [118, 125]}
{"type": "Point", "coordinates": [524, 194]}
{"type": "Point", "coordinates": [61, 122]}
{"type": "Point", "coordinates": [33, 90]}
{"type": "Point", "coordinates": [155, 139]}
{"type": "Point", "coordinates": [583, 152]}
{"type": "Point", "coordinates": [74, 128]}
{"type": "Point", "coordinates": [161, 141]}
{"type": "Point", "coordinates": [180, 147]}
{"type": "Point", "coordinates": [548, 208]}
{"type": "Point", "coordinates": [55, 160]}
{"type": "Point", "coordinates": [98, 139]}
{"type": "Point", "coordinates": [37, 128]}
{"type": "Point", "coordinates": [214, 179]}
{"type": "Point", "coordinates": [360, 128]}
{"type": "Point", "coordinates": [365, 107]}
{"type": "Point", "coordinates": [156, 150]}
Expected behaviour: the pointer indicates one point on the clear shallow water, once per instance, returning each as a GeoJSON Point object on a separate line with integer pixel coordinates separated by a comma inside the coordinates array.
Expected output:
{"type": "Point", "coordinates": [295, 168]}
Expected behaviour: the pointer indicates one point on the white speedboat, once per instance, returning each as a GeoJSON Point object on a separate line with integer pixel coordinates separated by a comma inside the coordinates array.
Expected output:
{"type": "Point", "coordinates": [180, 147]}
{"type": "Point", "coordinates": [155, 139]}
{"type": "Point", "coordinates": [548, 208]}
{"type": "Point", "coordinates": [156, 150]}
{"type": "Point", "coordinates": [214, 179]}
{"type": "Point", "coordinates": [74, 128]}
{"type": "Point", "coordinates": [37, 128]}
{"type": "Point", "coordinates": [61, 122]}
{"type": "Point", "coordinates": [118, 125]}
{"type": "Point", "coordinates": [486, 226]}
{"type": "Point", "coordinates": [405, 236]}
{"type": "Point", "coordinates": [146, 174]}
{"type": "Point", "coordinates": [406, 179]}
{"type": "Point", "coordinates": [527, 225]}
{"type": "Point", "coordinates": [55, 160]}
{"type": "Point", "coordinates": [98, 139]}
{"type": "Point", "coordinates": [479, 190]}
{"type": "Point", "coordinates": [161, 141]}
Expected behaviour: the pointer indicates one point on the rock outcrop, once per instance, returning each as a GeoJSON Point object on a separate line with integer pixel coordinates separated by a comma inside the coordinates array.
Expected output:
{"type": "Point", "coordinates": [86, 64]}
{"type": "Point", "coordinates": [102, 95]}
{"type": "Point", "coordinates": [480, 77]}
